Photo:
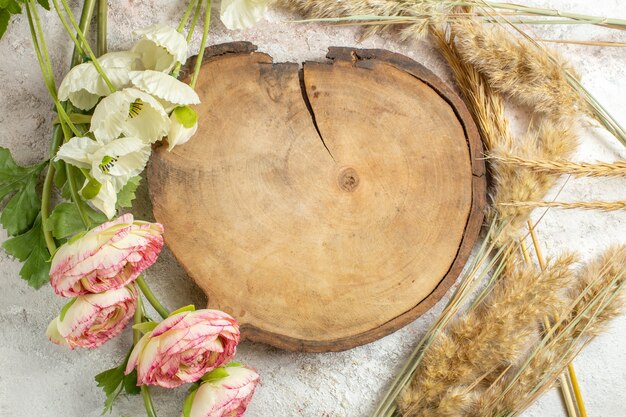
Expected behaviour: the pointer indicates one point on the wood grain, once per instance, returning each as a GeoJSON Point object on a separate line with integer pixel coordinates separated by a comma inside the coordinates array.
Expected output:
{"type": "Point", "coordinates": [322, 207]}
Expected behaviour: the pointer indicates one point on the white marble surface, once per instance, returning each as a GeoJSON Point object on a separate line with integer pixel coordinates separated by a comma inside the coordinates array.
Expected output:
{"type": "Point", "coordinates": [40, 379]}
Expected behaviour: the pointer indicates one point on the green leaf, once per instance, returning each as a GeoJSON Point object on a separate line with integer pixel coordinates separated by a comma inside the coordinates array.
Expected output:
{"type": "Point", "coordinates": [60, 173]}
{"type": "Point", "coordinates": [65, 220]}
{"type": "Point", "coordinates": [127, 194]}
{"type": "Point", "coordinates": [31, 249]}
{"type": "Point", "coordinates": [66, 307]}
{"type": "Point", "coordinates": [21, 210]}
{"type": "Point", "coordinates": [189, 307]}
{"type": "Point", "coordinates": [189, 401]}
{"type": "Point", "coordinates": [146, 326]}
{"type": "Point", "coordinates": [186, 116]}
{"type": "Point", "coordinates": [130, 383]}
{"type": "Point", "coordinates": [215, 374]}
{"type": "Point", "coordinates": [5, 16]}
{"type": "Point", "coordinates": [113, 382]}
{"type": "Point", "coordinates": [44, 4]}
{"type": "Point", "coordinates": [11, 6]}
{"type": "Point", "coordinates": [22, 246]}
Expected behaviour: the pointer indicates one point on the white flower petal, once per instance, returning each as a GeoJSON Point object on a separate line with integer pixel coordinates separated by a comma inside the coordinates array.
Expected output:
{"type": "Point", "coordinates": [121, 59]}
{"type": "Point", "coordinates": [83, 86]}
{"type": "Point", "coordinates": [126, 157]}
{"type": "Point", "coordinates": [112, 117]}
{"type": "Point", "coordinates": [170, 91]}
{"type": "Point", "coordinates": [106, 199]}
{"type": "Point", "coordinates": [242, 14]}
{"type": "Point", "coordinates": [77, 151]}
{"type": "Point", "coordinates": [161, 47]}
{"type": "Point", "coordinates": [179, 134]}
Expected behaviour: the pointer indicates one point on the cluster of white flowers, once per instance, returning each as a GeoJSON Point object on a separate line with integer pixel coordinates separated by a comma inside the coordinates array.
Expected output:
{"type": "Point", "coordinates": [139, 104]}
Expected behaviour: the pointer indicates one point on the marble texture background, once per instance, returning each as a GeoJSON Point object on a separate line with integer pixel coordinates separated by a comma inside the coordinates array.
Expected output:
{"type": "Point", "coordinates": [40, 379]}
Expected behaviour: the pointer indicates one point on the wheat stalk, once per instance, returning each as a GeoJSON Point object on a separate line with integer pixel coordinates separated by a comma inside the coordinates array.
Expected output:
{"type": "Point", "coordinates": [584, 205]}
{"type": "Point", "coordinates": [486, 339]}
{"type": "Point", "coordinates": [561, 167]}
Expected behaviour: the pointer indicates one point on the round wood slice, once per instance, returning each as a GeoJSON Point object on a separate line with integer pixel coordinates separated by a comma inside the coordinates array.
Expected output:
{"type": "Point", "coordinates": [325, 206]}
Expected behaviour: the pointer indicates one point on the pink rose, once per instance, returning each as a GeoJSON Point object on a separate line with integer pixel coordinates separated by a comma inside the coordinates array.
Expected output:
{"type": "Point", "coordinates": [90, 320]}
{"type": "Point", "coordinates": [184, 347]}
{"type": "Point", "coordinates": [225, 397]}
{"type": "Point", "coordinates": [106, 258]}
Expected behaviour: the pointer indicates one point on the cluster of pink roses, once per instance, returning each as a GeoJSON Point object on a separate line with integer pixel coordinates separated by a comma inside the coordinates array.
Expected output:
{"type": "Point", "coordinates": [98, 270]}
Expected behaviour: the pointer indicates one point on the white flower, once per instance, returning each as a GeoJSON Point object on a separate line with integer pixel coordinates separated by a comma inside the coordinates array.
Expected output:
{"type": "Point", "coordinates": [167, 89]}
{"type": "Point", "coordinates": [161, 47]}
{"type": "Point", "coordinates": [183, 125]}
{"type": "Point", "coordinates": [111, 164]}
{"type": "Point", "coordinates": [84, 86]}
{"type": "Point", "coordinates": [242, 14]}
{"type": "Point", "coordinates": [130, 112]}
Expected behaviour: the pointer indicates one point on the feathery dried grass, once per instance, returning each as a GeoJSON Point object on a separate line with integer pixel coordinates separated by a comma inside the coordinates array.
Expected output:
{"type": "Point", "coordinates": [561, 167]}
{"type": "Point", "coordinates": [595, 298]}
{"type": "Point", "coordinates": [605, 206]}
{"type": "Point", "coordinates": [606, 272]}
{"type": "Point", "coordinates": [519, 69]}
{"type": "Point", "coordinates": [422, 12]}
{"type": "Point", "coordinates": [551, 139]}
{"type": "Point", "coordinates": [486, 339]}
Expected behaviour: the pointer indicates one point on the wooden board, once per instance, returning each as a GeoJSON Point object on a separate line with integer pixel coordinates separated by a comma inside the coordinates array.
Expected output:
{"type": "Point", "coordinates": [323, 207]}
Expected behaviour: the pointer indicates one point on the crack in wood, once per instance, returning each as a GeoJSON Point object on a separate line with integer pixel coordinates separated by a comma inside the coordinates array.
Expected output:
{"type": "Point", "coordinates": [307, 102]}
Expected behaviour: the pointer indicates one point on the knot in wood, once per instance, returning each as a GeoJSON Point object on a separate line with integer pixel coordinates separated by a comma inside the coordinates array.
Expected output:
{"type": "Point", "coordinates": [348, 179]}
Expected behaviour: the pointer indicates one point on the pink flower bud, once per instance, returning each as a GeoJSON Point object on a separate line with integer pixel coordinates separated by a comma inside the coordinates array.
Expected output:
{"type": "Point", "coordinates": [225, 397]}
{"type": "Point", "coordinates": [106, 258]}
{"type": "Point", "coordinates": [183, 347]}
{"type": "Point", "coordinates": [91, 320]}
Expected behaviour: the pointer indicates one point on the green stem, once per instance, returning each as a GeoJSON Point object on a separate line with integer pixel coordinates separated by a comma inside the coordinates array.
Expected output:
{"type": "Point", "coordinates": [58, 133]}
{"type": "Point", "coordinates": [57, 139]}
{"type": "Point", "coordinates": [595, 20]}
{"type": "Point", "coordinates": [205, 33]}
{"type": "Point", "coordinates": [147, 401]}
{"type": "Point", "coordinates": [76, 198]}
{"type": "Point", "coordinates": [194, 21]}
{"type": "Point", "coordinates": [39, 44]}
{"type": "Point", "coordinates": [85, 44]}
{"type": "Point", "coordinates": [85, 19]}
{"type": "Point", "coordinates": [101, 47]}
{"type": "Point", "coordinates": [185, 17]}
{"type": "Point", "coordinates": [147, 292]}
{"type": "Point", "coordinates": [145, 392]}
{"type": "Point", "coordinates": [192, 27]}
{"type": "Point", "coordinates": [66, 25]}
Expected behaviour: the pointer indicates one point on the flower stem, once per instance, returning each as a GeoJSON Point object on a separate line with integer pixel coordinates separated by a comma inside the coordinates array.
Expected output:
{"type": "Point", "coordinates": [85, 19]}
{"type": "Point", "coordinates": [41, 51]}
{"type": "Point", "coordinates": [101, 46]}
{"type": "Point", "coordinates": [147, 292]}
{"type": "Point", "coordinates": [57, 139]}
{"type": "Point", "coordinates": [58, 133]}
{"type": "Point", "coordinates": [145, 392]}
{"type": "Point", "coordinates": [192, 27]}
{"type": "Point", "coordinates": [185, 17]}
{"type": "Point", "coordinates": [84, 42]}
{"type": "Point", "coordinates": [78, 200]}
{"type": "Point", "coordinates": [205, 33]}
{"type": "Point", "coordinates": [194, 21]}
{"type": "Point", "coordinates": [147, 401]}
